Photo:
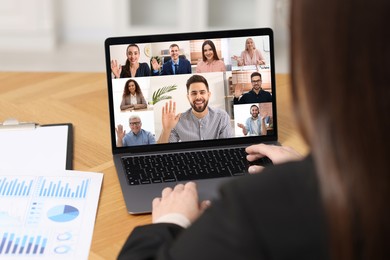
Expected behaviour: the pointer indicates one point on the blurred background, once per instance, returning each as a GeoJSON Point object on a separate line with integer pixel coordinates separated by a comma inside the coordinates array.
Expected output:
{"type": "Point", "coordinates": [68, 35]}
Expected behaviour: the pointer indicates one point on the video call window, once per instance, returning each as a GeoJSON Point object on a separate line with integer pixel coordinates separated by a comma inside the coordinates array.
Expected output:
{"type": "Point", "coordinates": [146, 95]}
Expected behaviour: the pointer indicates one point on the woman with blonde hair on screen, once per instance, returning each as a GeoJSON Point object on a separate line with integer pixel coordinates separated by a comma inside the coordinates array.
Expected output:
{"type": "Point", "coordinates": [251, 55]}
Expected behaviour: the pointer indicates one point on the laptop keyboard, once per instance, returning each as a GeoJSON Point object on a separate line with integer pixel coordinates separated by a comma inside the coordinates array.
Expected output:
{"type": "Point", "coordinates": [185, 166]}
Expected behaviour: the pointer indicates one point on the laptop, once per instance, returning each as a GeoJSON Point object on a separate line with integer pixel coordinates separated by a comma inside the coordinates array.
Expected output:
{"type": "Point", "coordinates": [208, 150]}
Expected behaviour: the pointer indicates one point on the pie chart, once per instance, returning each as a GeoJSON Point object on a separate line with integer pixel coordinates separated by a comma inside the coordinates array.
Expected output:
{"type": "Point", "coordinates": [63, 213]}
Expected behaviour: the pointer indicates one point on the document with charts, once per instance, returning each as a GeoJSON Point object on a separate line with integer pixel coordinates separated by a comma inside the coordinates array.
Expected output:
{"type": "Point", "coordinates": [47, 215]}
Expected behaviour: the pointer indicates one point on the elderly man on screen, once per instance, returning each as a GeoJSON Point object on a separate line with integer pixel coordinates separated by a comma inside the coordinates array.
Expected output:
{"type": "Point", "coordinates": [137, 135]}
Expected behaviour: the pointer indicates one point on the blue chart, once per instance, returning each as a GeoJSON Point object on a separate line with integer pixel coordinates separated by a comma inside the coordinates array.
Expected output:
{"type": "Point", "coordinates": [13, 187]}
{"type": "Point", "coordinates": [60, 189]}
{"type": "Point", "coordinates": [63, 213]}
{"type": "Point", "coordinates": [12, 244]}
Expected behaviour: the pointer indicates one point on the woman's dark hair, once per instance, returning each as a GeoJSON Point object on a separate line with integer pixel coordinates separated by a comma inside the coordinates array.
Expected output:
{"type": "Point", "coordinates": [126, 73]}
{"type": "Point", "coordinates": [126, 90]}
{"type": "Point", "coordinates": [341, 89]}
{"type": "Point", "coordinates": [212, 47]}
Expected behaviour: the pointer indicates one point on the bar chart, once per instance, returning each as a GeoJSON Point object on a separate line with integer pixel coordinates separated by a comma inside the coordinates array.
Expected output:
{"type": "Point", "coordinates": [13, 244]}
{"type": "Point", "coordinates": [63, 189]}
{"type": "Point", "coordinates": [15, 187]}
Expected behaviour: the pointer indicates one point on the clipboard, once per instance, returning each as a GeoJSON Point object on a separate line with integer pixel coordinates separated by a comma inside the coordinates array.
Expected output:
{"type": "Point", "coordinates": [30, 146]}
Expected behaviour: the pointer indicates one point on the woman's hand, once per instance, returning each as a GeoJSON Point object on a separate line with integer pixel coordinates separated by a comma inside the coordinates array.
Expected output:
{"type": "Point", "coordinates": [182, 199]}
{"type": "Point", "coordinates": [260, 62]}
{"type": "Point", "coordinates": [238, 59]}
{"type": "Point", "coordinates": [278, 155]}
{"type": "Point", "coordinates": [116, 69]}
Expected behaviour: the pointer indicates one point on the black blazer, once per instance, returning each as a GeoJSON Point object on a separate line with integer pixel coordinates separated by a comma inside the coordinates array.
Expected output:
{"type": "Point", "coordinates": [276, 214]}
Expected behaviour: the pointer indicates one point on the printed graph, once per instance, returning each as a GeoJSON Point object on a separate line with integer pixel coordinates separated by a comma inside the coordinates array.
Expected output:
{"type": "Point", "coordinates": [42, 216]}
{"type": "Point", "coordinates": [63, 189]}
{"type": "Point", "coordinates": [63, 213]}
{"type": "Point", "coordinates": [14, 187]}
{"type": "Point", "coordinates": [12, 244]}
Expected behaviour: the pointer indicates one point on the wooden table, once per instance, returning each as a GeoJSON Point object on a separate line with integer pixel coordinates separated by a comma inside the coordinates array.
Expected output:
{"type": "Point", "coordinates": [81, 98]}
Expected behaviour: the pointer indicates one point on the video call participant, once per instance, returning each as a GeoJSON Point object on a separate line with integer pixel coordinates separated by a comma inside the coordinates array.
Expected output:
{"type": "Point", "coordinates": [254, 125]}
{"type": "Point", "coordinates": [132, 97]}
{"type": "Point", "coordinates": [200, 122]}
{"type": "Point", "coordinates": [132, 68]}
{"type": "Point", "coordinates": [250, 56]}
{"type": "Point", "coordinates": [210, 61]}
{"type": "Point", "coordinates": [256, 95]}
{"type": "Point", "coordinates": [137, 136]}
{"type": "Point", "coordinates": [175, 65]}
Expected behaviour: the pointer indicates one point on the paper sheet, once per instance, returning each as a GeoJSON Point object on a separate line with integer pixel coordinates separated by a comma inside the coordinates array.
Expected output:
{"type": "Point", "coordinates": [47, 215]}
{"type": "Point", "coordinates": [34, 149]}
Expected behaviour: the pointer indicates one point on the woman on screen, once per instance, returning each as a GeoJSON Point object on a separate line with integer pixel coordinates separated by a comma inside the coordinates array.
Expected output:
{"type": "Point", "coordinates": [250, 56]}
{"type": "Point", "coordinates": [210, 61]}
{"type": "Point", "coordinates": [132, 68]}
{"type": "Point", "coordinates": [132, 97]}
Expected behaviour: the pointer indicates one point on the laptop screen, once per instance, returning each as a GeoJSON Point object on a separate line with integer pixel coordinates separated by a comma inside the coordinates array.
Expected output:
{"type": "Point", "coordinates": [191, 90]}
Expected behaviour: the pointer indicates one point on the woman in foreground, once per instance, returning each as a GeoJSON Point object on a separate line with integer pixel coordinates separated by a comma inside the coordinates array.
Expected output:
{"type": "Point", "coordinates": [332, 204]}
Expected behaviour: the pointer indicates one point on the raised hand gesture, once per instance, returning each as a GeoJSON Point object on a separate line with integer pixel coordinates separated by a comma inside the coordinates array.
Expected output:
{"type": "Point", "coordinates": [169, 120]}
{"type": "Point", "coordinates": [238, 90]}
{"type": "Point", "coordinates": [116, 68]}
{"type": "Point", "coordinates": [120, 133]}
{"type": "Point", "coordinates": [169, 117]}
{"type": "Point", "coordinates": [155, 64]}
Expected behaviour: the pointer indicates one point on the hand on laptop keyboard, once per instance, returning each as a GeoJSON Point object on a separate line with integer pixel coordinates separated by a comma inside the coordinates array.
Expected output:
{"type": "Point", "coordinates": [264, 161]}
{"type": "Point", "coordinates": [264, 155]}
